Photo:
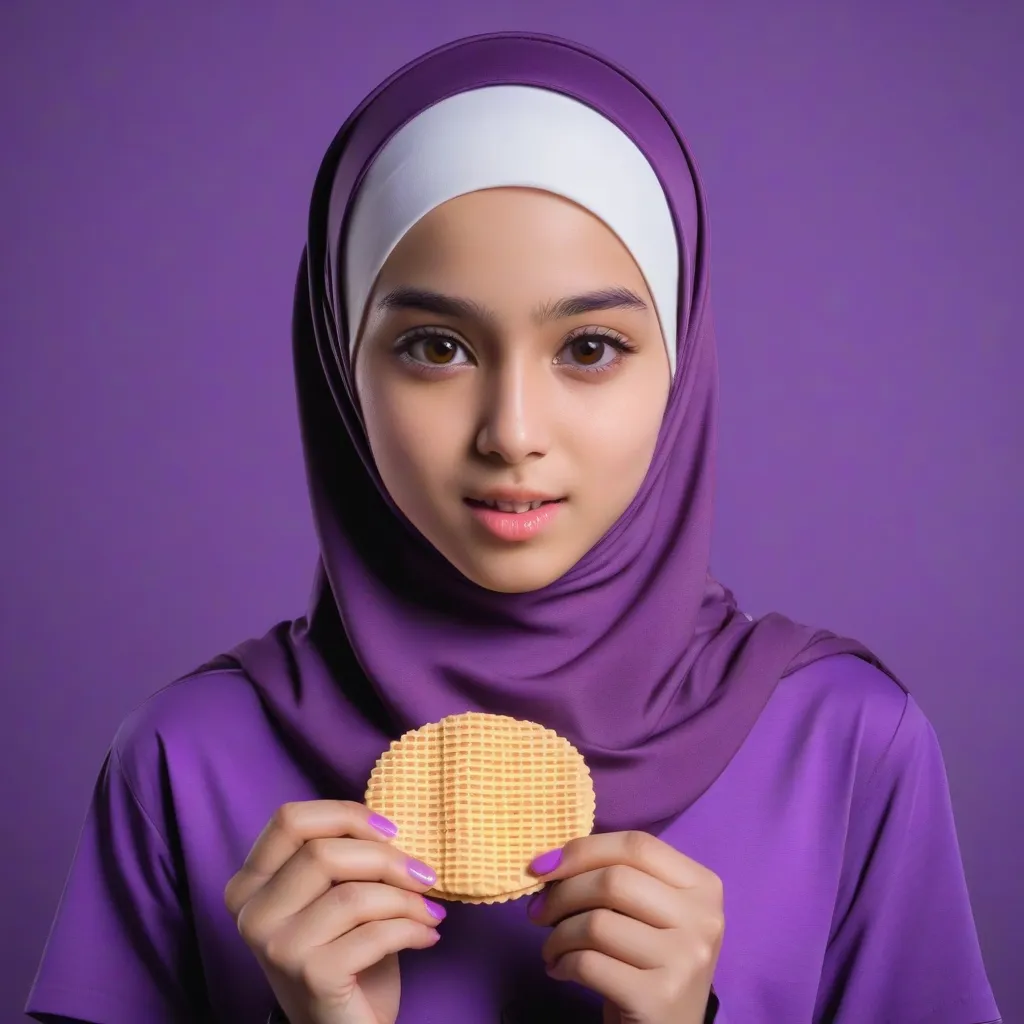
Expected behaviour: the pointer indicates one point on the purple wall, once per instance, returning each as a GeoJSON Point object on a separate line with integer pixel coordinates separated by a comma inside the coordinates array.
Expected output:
{"type": "Point", "coordinates": [863, 162]}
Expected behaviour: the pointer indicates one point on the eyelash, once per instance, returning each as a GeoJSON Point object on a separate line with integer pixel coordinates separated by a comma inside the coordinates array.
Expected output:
{"type": "Point", "coordinates": [603, 334]}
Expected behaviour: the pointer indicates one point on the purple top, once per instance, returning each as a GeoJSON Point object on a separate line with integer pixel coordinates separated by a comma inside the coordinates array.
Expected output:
{"type": "Point", "coordinates": [831, 829]}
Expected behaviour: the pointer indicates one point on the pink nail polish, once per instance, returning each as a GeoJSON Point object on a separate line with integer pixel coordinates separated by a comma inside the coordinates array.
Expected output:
{"type": "Point", "coordinates": [435, 909]}
{"type": "Point", "coordinates": [381, 824]}
{"type": "Point", "coordinates": [546, 862]}
{"type": "Point", "coordinates": [423, 873]}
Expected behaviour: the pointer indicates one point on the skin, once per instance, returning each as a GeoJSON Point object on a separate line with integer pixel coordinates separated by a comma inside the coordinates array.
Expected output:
{"type": "Point", "coordinates": [325, 904]}
{"type": "Point", "coordinates": [638, 922]}
{"type": "Point", "coordinates": [499, 397]}
{"type": "Point", "coordinates": [494, 395]}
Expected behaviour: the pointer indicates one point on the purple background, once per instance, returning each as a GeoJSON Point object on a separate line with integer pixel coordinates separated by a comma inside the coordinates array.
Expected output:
{"type": "Point", "coordinates": [863, 163]}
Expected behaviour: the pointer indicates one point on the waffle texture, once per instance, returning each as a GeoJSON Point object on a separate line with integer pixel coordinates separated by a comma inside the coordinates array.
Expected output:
{"type": "Point", "coordinates": [477, 797]}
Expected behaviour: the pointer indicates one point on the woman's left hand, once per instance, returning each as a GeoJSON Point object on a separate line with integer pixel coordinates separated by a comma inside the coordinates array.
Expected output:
{"type": "Point", "coordinates": [634, 920]}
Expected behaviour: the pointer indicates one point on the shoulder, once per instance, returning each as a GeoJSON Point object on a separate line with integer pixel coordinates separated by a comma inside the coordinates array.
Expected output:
{"type": "Point", "coordinates": [172, 728]}
{"type": "Point", "coordinates": [865, 716]}
{"type": "Point", "coordinates": [215, 702]}
{"type": "Point", "coordinates": [847, 693]}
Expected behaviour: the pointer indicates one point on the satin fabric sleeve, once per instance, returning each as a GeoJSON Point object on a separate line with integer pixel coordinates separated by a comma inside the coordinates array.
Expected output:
{"type": "Point", "coordinates": [120, 950]}
{"type": "Point", "coordinates": [903, 946]}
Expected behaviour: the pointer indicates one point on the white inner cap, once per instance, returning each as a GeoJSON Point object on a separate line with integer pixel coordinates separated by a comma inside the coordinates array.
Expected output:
{"type": "Point", "coordinates": [513, 136]}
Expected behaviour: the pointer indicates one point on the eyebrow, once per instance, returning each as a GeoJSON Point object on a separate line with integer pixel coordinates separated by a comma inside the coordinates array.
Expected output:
{"type": "Point", "coordinates": [427, 301]}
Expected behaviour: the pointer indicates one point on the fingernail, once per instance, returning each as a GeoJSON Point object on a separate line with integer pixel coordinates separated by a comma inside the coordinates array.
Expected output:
{"type": "Point", "coordinates": [389, 828]}
{"type": "Point", "coordinates": [435, 909]}
{"type": "Point", "coordinates": [546, 862]}
{"type": "Point", "coordinates": [421, 872]}
{"type": "Point", "coordinates": [536, 905]}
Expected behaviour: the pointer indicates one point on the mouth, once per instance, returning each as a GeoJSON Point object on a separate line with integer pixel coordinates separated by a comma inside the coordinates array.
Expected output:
{"type": "Point", "coordinates": [516, 507]}
{"type": "Point", "coordinates": [514, 517]}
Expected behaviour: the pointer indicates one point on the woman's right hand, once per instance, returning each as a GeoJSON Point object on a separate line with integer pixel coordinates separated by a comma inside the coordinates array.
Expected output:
{"type": "Point", "coordinates": [326, 902]}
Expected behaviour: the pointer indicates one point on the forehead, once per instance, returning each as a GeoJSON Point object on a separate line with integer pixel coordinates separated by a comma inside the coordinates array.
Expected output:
{"type": "Point", "coordinates": [524, 233]}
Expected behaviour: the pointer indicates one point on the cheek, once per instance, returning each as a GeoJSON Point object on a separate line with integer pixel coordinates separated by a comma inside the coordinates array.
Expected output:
{"type": "Point", "coordinates": [412, 438]}
{"type": "Point", "coordinates": [618, 449]}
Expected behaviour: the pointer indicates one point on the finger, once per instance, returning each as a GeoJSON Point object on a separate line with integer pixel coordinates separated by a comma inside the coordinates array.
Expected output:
{"type": "Point", "coordinates": [617, 982]}
{"type": "Point", "coordinates": [640, 850]}
{"type": "Point", "coordinates": [342, 909]}
{"type": "Point", "coordinates": [615, 935]}
{"type": "Point", "coordinates": [620, 887]}
{"type": "Point", "coordinates": [362, 948]}
{"type": "Point", "coordinates": [322, 863]}
{"type": "Point", "coordinates": [292, 825]}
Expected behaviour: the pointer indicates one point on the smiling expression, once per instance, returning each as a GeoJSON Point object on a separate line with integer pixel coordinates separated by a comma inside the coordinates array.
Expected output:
{"type": "Point", "coordinates": [513, 376]}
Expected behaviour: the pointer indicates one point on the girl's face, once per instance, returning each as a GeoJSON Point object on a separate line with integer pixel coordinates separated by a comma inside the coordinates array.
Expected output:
{"type": "Point", "coordinates": [511, 353]}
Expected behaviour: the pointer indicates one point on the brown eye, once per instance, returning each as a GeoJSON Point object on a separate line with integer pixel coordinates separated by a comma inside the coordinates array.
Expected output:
{"type": "Point", "coordinates": [594, 350]}
{"type": "Point", "coordinates": [438, 350]}
{"type": "Point", "coordinates": [433, 349]}
{"type": "Point", "coordinates": [587, 350]}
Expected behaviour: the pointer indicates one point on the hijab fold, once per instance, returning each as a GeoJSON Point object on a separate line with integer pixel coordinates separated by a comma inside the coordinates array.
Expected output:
{"type": "Point", "coordinates": [636, 655]}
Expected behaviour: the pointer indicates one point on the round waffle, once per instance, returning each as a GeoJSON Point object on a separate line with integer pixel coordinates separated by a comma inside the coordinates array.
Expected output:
{"type": "Point", "coordinates": [477, 797]}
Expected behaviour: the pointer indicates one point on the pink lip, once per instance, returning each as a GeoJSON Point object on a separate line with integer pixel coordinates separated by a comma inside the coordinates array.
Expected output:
{"type": "Point", "coordinates": [516, 526]}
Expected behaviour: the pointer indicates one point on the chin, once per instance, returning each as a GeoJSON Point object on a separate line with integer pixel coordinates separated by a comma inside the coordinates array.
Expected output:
{"type": "Point", "coordinates": [515, 573]}
{"type": "Point", "coordinates": [507, 586]}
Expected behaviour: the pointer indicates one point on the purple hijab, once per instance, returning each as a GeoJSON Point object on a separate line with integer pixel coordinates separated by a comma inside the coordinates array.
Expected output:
{"type": "Point", "coordinates": [636, 655]}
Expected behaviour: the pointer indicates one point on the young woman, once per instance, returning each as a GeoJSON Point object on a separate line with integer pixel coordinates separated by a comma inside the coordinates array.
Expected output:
{"type": "Point", "coordinates": [506, 377]}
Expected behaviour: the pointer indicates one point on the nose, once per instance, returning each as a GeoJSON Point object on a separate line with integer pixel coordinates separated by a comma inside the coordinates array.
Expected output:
{"type": "Point", "coordinates": [517, 414]}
